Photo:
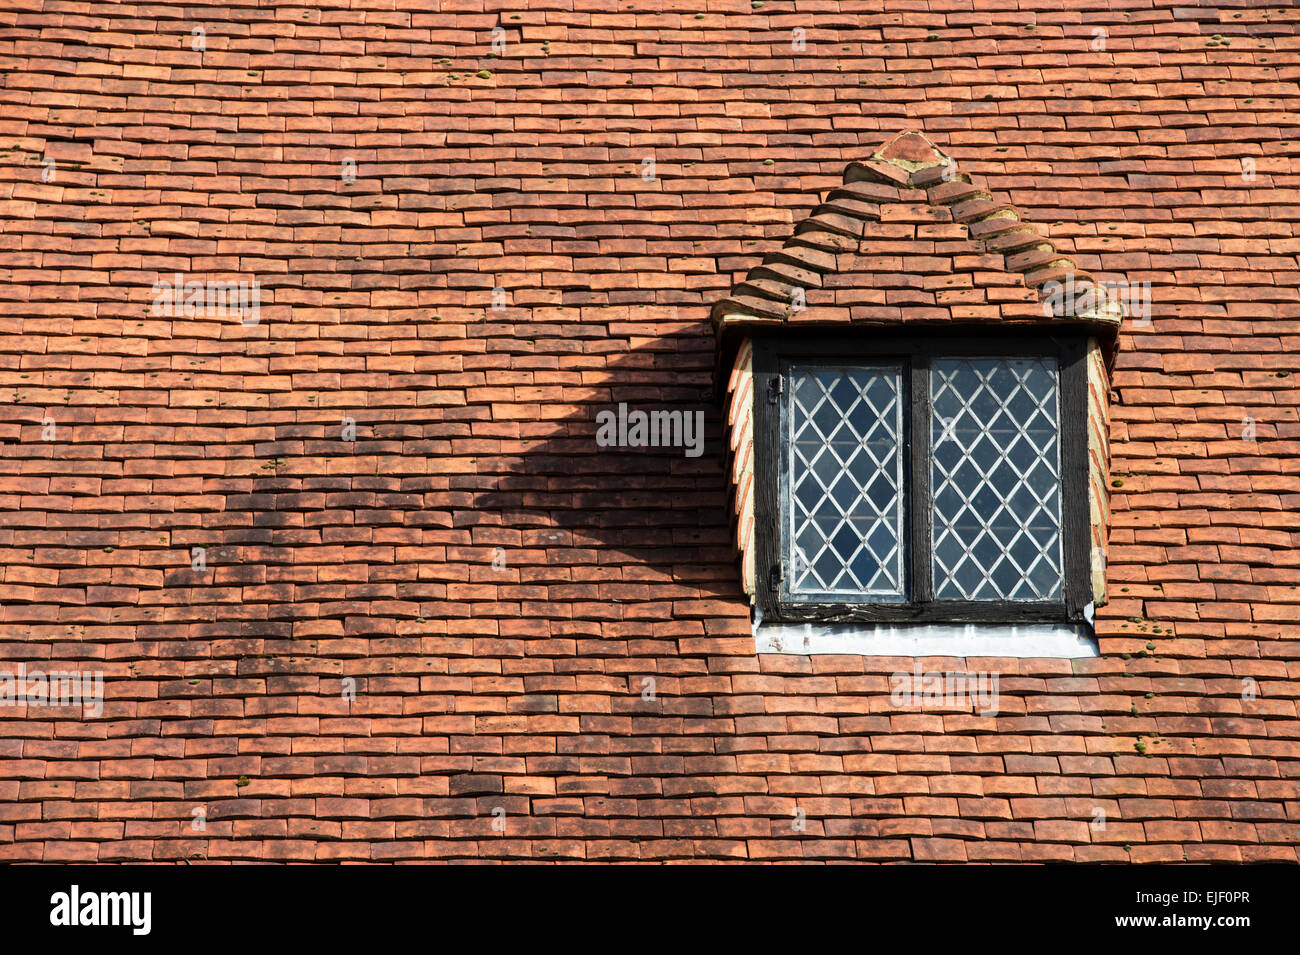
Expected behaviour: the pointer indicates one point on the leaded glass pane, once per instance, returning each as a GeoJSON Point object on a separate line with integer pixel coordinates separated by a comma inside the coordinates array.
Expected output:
{"type": "Point", "coordinates": [843, 493]}
{"type": "Point", "coordinates": [996, 479]}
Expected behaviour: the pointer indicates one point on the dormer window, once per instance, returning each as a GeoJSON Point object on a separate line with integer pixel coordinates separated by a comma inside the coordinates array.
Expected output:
{"type": "Point", "coordinates": [916, 391]}
{"type": "Point", "coordinates": [921, 478]}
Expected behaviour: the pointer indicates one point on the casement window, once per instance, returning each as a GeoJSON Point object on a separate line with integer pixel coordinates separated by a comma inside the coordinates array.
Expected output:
{"type": "Point", "coordinates": [927, 477]}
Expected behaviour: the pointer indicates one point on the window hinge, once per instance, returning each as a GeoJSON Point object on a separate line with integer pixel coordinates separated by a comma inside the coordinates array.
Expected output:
{"type": "Point", "coordinates": [774, 386]}
{"type": "Point", "coordinates": [774, 577]}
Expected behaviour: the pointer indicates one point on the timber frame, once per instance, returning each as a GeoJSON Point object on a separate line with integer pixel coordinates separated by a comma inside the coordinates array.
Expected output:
{"type": "Point", "coordinates": [915, 349]}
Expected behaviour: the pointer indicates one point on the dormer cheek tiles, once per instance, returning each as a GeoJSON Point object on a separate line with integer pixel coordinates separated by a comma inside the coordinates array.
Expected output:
{"type": "Point", "coordinates": [740, 459]}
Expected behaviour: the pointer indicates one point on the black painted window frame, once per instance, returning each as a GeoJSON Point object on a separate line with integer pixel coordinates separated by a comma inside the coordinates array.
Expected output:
{"type": "Point", "coordinates": [775, 350]}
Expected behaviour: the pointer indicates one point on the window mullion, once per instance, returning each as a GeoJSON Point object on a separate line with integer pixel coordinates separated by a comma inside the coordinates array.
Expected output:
{"type": "Point", "coordinates": [920, 510]}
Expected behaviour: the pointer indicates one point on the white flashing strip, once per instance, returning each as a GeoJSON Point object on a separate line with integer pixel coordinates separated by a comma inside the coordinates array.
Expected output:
{"type": "Point", "coordinates": [929, 640]}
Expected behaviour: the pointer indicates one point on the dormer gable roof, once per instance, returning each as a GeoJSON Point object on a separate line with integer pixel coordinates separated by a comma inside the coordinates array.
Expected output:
{"type": "Point", "coordinates": [910, 239]}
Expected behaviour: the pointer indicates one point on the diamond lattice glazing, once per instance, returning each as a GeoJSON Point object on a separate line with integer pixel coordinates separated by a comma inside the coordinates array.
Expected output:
{"type": "Point", "coordinates": [995, 476]}
{"type": "Point", "coordinates": [844, 485]}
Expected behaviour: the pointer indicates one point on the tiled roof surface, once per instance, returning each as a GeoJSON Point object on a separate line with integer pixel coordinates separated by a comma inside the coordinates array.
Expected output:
{"type": "Point", "coordinates": [497, 586]}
